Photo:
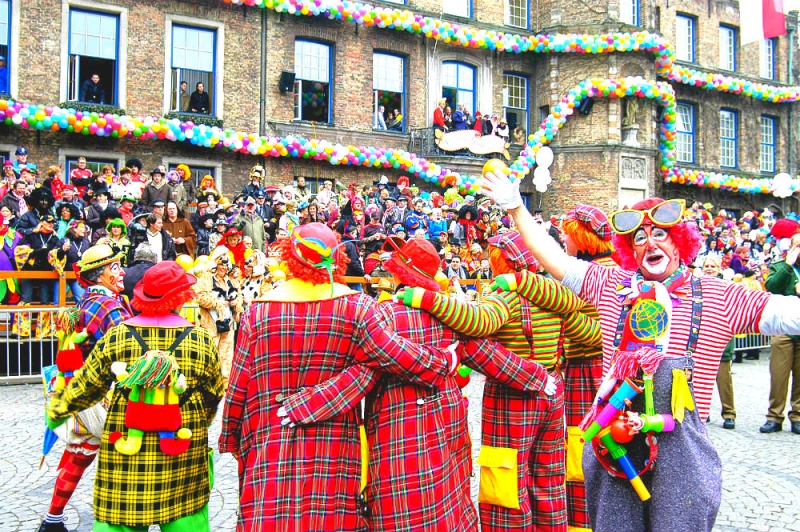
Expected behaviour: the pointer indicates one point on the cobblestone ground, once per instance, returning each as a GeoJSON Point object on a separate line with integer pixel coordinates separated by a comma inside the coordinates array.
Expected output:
{"type": "Point", "coordinates": [761, 472]}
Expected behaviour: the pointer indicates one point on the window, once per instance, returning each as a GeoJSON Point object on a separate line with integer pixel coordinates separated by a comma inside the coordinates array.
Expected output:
{"type": "Point", "coordinates": [727, 138]}
{"type": "Point", "coordinates": [459, 8]}
{"type": "Point", "coordinates": [198, 173]}
{"type": "Point", "coordinates": [684, 38]}
{"type": "Point", "coordinates": [94, 164]}
{"type": "Point", "coordinates": [685, 126]}
{"type": "Point", "coordinates": [312, 86]}
{"type": "Point", "coordinates": [93, 49]}
{"type": "Point", "coordinates": [767, 149]}
{"type": "Point", "coordinates": [544, 112]}
{"type": "Point", "coordinates": [727, 48]}
{"type": "Point", "coordinates": [193, 59]}
{"type": "Point", "coordinates": [629, 12]}
{"type": "Point", "coordinates": [516, 12]}
{"type": "Point", "coordinates": [767, 59]}
{"type": "Point", "coordinates": [515, 100]}
{"type": "Point", "coordinates": [5, 50]}
{"type": "Point", "coordinates": [388, 90]}
{"type": "Point", "coordinates": [458, 85]}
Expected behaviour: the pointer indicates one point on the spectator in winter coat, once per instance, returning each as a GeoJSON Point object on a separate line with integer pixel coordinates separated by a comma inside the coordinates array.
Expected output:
{"type": "Point", "coordinates": [15, 199]}
{"type": "Point", "coordinates": [180, 230]}
{"type": "Point", "coordinates": [40, 201]}
{"type": "Point", "coordinates": [144, 258]}
{"type": "Point", "coordinates": [199, 102]}
{"type": "Point", "coordinates": [204, 235]}
{"type": "Point", "coordinates": [73, 246]}
{"type": "Point", "coordinates": [95, 210]}
{"type": "Point", "coordinates": [41, 240]}
{"type": "Point", "coordinates": [252, 225]}
{"type": "Point", "coordinates": [460, 118]}
{"type": "Point", "coordinates": [157, 189]}
{"type": "Point", "coordinates": [92, 90]}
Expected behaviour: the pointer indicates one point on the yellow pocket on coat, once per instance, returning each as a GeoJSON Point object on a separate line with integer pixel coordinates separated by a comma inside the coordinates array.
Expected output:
{"type": "Point", "coordinates": [499, 484]}
{"type": "Point", "coordinates": [574, 455]}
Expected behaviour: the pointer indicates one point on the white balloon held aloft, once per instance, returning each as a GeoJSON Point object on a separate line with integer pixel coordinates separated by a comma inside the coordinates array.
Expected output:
{"type": "Point", "coordinates": [542, 176]}
{"type": "Point", "coordinates": [544, 157]}
{"type": "Point", "coordinates": [782, 185]}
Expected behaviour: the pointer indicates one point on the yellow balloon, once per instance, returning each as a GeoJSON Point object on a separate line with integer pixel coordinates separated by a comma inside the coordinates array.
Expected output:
{"type": "Point", "coordinates": [185, 261]}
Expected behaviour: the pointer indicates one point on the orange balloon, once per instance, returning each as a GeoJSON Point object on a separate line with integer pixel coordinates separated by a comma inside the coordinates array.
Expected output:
{"type": "Point", "coordinates": [495, 166]}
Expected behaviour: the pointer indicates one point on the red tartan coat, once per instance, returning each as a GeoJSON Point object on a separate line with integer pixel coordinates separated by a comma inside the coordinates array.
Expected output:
{"type": "Point", "coordinates": [307, 478]}
{"type": "Point", "coordinates": [420, 458]}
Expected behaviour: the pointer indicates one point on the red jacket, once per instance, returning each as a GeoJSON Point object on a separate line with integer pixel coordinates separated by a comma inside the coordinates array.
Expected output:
{"type": "Point", "coordinates": [438, 117]}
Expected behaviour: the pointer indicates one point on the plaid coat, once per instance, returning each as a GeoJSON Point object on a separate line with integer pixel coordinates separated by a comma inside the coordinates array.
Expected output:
{"type": "Point", "coordinates": [101, 309]}
{"type": "Point", "coordinates": [149, 487]}
{"type": "Point", "coordinates": [307, 478]}
{"type": "Point", "coordinates": [419, 447]}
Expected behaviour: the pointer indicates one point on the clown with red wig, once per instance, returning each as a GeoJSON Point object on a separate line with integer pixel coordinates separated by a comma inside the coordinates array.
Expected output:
{"type": "Point", "coordinates": [663, 335]}
{"type": "Point", "coordinates": [298, 335]}
{"type": "Point", "coordinates": [420, 453]}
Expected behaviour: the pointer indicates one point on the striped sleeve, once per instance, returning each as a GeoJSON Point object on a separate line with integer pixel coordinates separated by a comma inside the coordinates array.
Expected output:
{"type": "Point", "coordinates": [582, 329]}
{"type": "Point", "coordinates": [743, 308]}
{"type": "Point", "coordinates": [547, 293]}
{"type": "Point", "coordinates": [478, 320]}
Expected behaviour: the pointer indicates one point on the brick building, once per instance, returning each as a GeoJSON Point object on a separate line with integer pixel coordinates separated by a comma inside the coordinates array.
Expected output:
{"type": "Point", "coordinates": [272, 73]}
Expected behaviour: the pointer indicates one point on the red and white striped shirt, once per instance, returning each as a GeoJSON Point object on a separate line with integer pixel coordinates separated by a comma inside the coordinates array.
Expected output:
{"type": "Point", "coordinates": [728, 309]}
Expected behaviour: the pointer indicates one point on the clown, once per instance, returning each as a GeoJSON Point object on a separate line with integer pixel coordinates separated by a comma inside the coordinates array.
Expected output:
{"type": "Point", "coordinates": [307, 330]}
{"type": "Point", "coordinates": [663, 334]}
{"type": "Point", "coordinates": [100, 308]}
{"type": "Point", "coordinates": [154, 446]}
{"type": "Point", "coordinates": [440, 499]}
{"type": "Point", "coordinates": [525, 325]}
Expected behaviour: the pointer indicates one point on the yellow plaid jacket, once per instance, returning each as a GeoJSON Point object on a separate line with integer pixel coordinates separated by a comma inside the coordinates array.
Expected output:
{"type": "Point", "coordinates": [149, 487]}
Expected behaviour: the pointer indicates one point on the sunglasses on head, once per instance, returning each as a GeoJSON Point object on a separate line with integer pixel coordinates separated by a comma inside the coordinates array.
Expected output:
{"type": "Point", "coordinates": [665, 214]}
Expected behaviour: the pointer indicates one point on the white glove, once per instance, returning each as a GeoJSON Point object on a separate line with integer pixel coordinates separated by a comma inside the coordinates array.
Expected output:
{"type": "Point", "coordinates": [550, 387]}
{"type": "Point", "coordinates": [282, 413]}
{"type": "Point", "coordinates": [453, 356]}
{"type": "Point", "coordinates": [502, 191]}
{"type": "Point", "coordinates": [791, 256]}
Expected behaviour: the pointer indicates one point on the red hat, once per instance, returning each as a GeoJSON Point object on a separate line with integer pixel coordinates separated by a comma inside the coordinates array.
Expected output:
{"type": "Point", "coordinates": [161, 282]}
{"type": "Point", "coordinates": [232, 231]}
{"type": "Point", "coordinates": [785, 228]}
{"type": "Point", "coordinates": [592, 219]}
{"type": "Point", "coordinates": [271, 188]}
{"type": "Point", "coordinates": [314, 244]}
{"type": "Point", "coordinates": [515, 251]}
{"type": "Point", "coordinates": [415, 262]}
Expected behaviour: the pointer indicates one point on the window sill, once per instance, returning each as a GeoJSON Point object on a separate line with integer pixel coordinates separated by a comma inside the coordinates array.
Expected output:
{"type": "Point", "coordinates": [392, 131]}
{"type": "Point", "coordinates": [196, 118]}
{"type": "Point", "coordinates": [99, 108]}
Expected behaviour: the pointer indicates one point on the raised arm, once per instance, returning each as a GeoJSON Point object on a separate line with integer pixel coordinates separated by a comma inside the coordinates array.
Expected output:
{"type": "Point", "coordinates": [546, 250]}
{"type": "Point", "coordinates": [332, 397]}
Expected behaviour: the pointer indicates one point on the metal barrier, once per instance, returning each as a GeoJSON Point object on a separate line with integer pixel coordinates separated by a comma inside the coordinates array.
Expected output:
{"type": "Point", "coordinates": [751, 342]}
{"type": "Point", "coordinates": [29, 342]}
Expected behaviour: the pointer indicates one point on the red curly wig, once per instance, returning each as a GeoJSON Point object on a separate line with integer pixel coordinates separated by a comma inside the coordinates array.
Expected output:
{"type": "Point", "coordinates": [301, 270]}
{"type": "Point", "coordinates": [587, 241]}
{"type": "Point", "coordinates": [685, 236]}
{"type": "Point", "coordinates": [165, 305]}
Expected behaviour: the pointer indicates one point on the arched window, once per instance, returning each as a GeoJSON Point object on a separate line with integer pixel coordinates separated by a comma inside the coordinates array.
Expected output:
{"type": "Point", "coordinates": [458, 84]}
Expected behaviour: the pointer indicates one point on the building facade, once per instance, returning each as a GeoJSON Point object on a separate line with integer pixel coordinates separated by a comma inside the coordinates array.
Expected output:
{"type": "Point", "coordinates": [271, 73]}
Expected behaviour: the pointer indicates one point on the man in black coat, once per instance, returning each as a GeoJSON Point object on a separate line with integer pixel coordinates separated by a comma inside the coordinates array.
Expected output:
{"type": "Point", "coordinates": [144, 258]}
{"type": "Point", "coordinates": [92, 90]}
{"type": "Point", "coordinates": [199, 102]}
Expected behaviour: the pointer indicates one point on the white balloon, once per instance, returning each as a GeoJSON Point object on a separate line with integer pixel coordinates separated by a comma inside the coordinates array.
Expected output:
{"type": "Point", "coordinates": [540, 173]}
{"type": "Point", "coordinates": [541, 188]}
{"type": "Point", "coordinates": [544, 157]}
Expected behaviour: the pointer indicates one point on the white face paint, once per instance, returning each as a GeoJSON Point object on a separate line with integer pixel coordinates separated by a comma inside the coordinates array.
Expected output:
{"type": "Point", "coordinates": [655, 253]}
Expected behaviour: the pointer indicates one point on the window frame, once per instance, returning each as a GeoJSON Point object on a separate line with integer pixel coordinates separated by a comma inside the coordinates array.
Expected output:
{"type": "Point", "coordinates": [121, 81]}
{"type": "Point", "coordinates": [298, 79]}
{"type": "Point", "coordinates": [527, 108]}
{"type": "Point", "coordinates": [691, 134]}
{"type": "Point", "coordinates": [474, 91]}
{"type": "Point", "coordinates": [65, 155]}
{"type": "Point", "coordinates": [735, 139]}
{"type": "Point", "coordinates": [403, 93]}
{"type": "Point", "coordinates": [113, 100]}
{"type": "Point", "coordinates": [218, 98]}
{"type": "Point", "coordinates": [636, 13]}
{"type": "Point", "coordinates": [202, 163]}
{"type": "Point", "coordinates": [733, 46]}
{"type": "Point", "coordinates": [692, 38]}
{"type": "Point", "coordinates": [470, 9]}
{"type": "Point", "coordinates": [507, 14]}
{"type": "Point", "coordinates": [770, 56]}
{"type": "Point", "coordinates": [771, 145]}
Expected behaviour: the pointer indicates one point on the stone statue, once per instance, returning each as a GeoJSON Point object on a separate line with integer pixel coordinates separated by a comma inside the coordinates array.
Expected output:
{"type": "Point", "coordinates": [631, 110]}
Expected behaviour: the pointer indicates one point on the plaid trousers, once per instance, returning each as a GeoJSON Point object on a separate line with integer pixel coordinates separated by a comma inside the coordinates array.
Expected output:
{"type": "Point", "coordinates": [534, 425]}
